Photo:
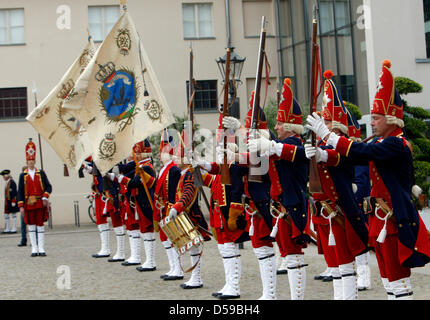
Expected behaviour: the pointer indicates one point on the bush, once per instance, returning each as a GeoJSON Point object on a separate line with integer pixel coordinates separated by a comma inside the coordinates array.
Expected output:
{"type": "Point", "coordinates": [405, 86]}
{"type": "Point", "coordinates": [354, 110]}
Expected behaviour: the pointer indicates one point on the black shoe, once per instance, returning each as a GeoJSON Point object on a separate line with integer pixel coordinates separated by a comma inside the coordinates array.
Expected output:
{"type": "Point", "coordinates": [22, 244]}
{"type": "Point", "coordinates": [96, 255]}
{"type": "Point", "coordinates": [327, 279]}
{"type": "Point", "coordinates": [42, 254]}
{"type": "Point", "coordinates": [168, 278]}
{"type": "Point", "coordinates": [163, 276]}
{"type": "Point", "coordinates": [281, 271]}
{"type": "Point", "coordinates": [319, 277]}
{"type": "Point", "coordinates": [12, 232]}
{"type": "Point", "coordinates": [142, 269]}
{"type": "Point", "coordinates": [362, 288]}
{"type": "Point", "coordinates": [126, 263]}
{"type": "Point", "coordinates": [34, 254]}
{"type": "Point", "coordinates": [115, 260]}
{"type": "Point", "coordinates": [228, 297]}
{"type": "Point", "coordinates": [216, 294]}
{"type": "Point", "coordinates": [185, 286]}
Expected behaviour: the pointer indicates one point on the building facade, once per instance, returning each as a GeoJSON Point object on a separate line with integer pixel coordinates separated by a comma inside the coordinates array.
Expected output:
{"type": "Point", "coordinates": [355, 36]}
{"type": "Point", "coordinates": [39, 40]}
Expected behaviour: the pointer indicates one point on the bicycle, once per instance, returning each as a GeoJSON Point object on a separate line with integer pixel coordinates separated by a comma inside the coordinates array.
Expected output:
{"type": "Point", "coordinates": [91, 209]}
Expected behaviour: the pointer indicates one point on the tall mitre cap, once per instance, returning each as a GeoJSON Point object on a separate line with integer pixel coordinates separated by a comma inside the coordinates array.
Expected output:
{"type": "Point", "coordinates": [166, 143]}
{"type": "Point", "coordinates": [289, 110]}
{"type": "Point", "coordinates": [262, 124]}
{"type": "Point", "coordinates": [387, 100]}
{"type": "Point", "coordinates": [354, 130]}
{"type": "Point", "coordinates": [143, 146]}
{"type": "Point", "coordinates": [333, 108]}
{"type": "Point", "coordinates": [30, 150]}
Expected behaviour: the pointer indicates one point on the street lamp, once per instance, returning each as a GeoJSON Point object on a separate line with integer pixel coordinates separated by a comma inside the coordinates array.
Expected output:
{"type": "Point", "coordinates": [236, 66]}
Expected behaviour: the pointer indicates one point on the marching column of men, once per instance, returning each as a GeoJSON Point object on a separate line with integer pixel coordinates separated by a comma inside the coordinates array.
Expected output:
{"type": "Point", "coordinates": [277, 209]}
{"type": "Point", "coordinates": [365, 203]}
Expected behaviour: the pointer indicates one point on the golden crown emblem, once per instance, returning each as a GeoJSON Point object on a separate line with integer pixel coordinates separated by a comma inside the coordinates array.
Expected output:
{"type": "Point", "coordinates": [65, 89]}
{"type": "Point", "coordinates": [105, 71]}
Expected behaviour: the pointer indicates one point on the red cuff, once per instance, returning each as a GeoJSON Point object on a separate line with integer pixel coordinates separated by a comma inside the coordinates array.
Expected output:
{"type": "Point", "coordinates": [46, 195]}
{"type": "Point", "coordinates": [288, 152]}
{"type": "Point", "coordinates": [20, 204]}
{"type": "Point", "coordinates": [333, 158]}
{"type": "Point", "coordinates": [344, 145]}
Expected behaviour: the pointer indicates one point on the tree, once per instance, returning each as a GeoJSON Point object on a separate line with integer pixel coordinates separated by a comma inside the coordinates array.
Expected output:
{"type": "Point", "coordinates": [416, 130]}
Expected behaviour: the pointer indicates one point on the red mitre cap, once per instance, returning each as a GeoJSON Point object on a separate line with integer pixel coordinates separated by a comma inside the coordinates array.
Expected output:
{"type": "Point", "coordinates": [262, 124]}
{"type": "Point", "coordinates": [289, 110]}
{"type": "Point", "coordinates": [333, 107]}
{"type": "Point", "coordinates": [30, 150]}
{"type": "Point", "coordinates": [142, 147]}
{"type": "Point", "coordinates": [387, 101]}
{"type": "Point", "coordinates": [166, 143]}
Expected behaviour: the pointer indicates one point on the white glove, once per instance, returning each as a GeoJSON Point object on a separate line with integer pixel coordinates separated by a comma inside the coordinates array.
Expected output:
{"type": "Point", "coordinates": [319, 154]}
{"type": "Point", "coordinates": [173, 213]}
{"type": "Point", "coordinates": [13, 204]}
{"type": "Point", "coordinates": [416, 191]}
{"type": "Point", "coordinates": [231, 123]}
{"type": "Point", "coordinates": [262, 145]}
{"type": "Point", "coordinates": [354, 188]}
{"type": "Point", "coordinates": [220, 155]}
{"type": "Point", "coordinates": [232, 147]}
{"type": "Point", "coordinates": [316, 124]}
{"type": "Point", "coordinates": [111, 176]}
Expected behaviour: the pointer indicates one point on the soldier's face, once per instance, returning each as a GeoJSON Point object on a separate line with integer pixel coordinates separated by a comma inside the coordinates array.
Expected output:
{"type": "Point", "coordinates": [282, 133]}
{"type": "Point", "coordinates": [30, 164]}
{"type": "Point", "coordinates": [380, 126]}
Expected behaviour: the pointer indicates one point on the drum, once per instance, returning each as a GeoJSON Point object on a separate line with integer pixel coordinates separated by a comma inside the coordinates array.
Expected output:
{"type": "Point", "coordinates": [182, 232]}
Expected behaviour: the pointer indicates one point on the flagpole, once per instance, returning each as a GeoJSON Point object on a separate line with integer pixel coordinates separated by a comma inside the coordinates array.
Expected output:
{"type": "Point", "coordinates": [41, 156]}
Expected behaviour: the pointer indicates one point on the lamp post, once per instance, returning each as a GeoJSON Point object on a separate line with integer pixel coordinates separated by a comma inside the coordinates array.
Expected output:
{"type": "Point", "coordinates": [236, 66]}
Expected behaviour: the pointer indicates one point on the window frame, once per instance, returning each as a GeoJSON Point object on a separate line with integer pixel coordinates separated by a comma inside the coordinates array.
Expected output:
{"type": "Point", "coordinates": [8, 27]}
{"type": "Point", "coordinates": [213, 88]}
{"type": "Point", "coordinates": [195, 6]}
{"type": "Point", "coordinates": [103, 17]}
{"type": "Point", "coordinates": [427, 23]}
{"type": "Point", "coordinates": [24, 95]}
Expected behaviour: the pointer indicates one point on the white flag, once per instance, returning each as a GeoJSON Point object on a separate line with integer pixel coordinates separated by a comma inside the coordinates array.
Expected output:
{"type": "Point", "coordinates": [57, 125]}
{"type": "Point", "coordinates": [118, 98]}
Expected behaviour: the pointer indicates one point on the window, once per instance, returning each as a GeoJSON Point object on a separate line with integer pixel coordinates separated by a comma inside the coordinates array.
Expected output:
{"type": "Point", "coordinates": [13, 103]}
{"type": "Point", "coordinates": [327, 16]}
{"type": "Point", "coordinates": [427, 25]}
{"type": "Point", "coordinates": [11, 26]}
{"type": "Point", "coordinates": [197, 20]}
{"type": "Point", "coordinates": [206, 96]}
{"type": "Point", "coordinates": [101, 20]}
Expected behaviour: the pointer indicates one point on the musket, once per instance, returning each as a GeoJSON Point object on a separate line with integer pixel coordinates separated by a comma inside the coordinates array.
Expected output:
{"type": "Point", "coordinates": [314, 177]}
{"type": "Point", "coordinates": [255, 119]}
{"type": "Point", "coordinates": [225, 170]}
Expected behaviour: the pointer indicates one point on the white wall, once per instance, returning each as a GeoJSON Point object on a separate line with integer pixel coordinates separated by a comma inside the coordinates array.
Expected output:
{"type": "Point", "coordinates": [397, 34]}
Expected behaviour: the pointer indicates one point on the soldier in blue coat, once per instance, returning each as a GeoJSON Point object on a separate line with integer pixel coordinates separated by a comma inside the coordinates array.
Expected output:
{"type": "Point", "coordinates": [288, 171]}
{"type": "Point", "coordinates": [396, 231]}
{"type": "Point", "coordinates": [254, 198]}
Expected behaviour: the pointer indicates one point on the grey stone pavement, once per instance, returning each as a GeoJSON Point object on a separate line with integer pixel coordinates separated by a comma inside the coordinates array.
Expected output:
{"type": "Point", "coordinates": [69, 250]}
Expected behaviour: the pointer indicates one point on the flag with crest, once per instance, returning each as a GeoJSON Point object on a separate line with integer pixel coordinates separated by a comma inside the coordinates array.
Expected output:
{"type": "Point", "coordinates": [118, 98]}
{"type": "Point", "coordinates": [57, 125]}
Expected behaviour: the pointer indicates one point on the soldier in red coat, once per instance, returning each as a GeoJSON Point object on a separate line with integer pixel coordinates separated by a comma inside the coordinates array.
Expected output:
{"type": "Point", "coordinates": [396, 230]}
{"type": "Point", "coordinates": [288, 171]}
{"type": "Point", "coordinates": [34, 190]}
{"type": "Point", "coordinates": [341, 229]}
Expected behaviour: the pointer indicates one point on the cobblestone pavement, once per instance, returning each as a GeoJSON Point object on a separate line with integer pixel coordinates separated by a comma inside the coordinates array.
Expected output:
{"type": "Point", "coordinates": [69, 248]}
